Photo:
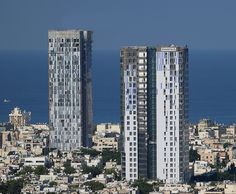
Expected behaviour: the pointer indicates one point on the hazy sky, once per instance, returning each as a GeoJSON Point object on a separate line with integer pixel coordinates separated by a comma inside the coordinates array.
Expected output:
{"type": "Point", "coordinates": [201, 24]}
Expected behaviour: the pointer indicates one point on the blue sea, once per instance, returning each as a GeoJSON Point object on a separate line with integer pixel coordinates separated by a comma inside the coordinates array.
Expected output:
{"type": "Point", "coordinates": [24, 81]}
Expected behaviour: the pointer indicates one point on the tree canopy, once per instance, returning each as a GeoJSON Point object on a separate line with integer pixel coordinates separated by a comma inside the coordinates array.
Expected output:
{"type": "Point", "coordinates": [108, 155]}
{"type": "Point", "coordinates": [12, 186]}
{"type": "Point", "coordinates": [41, 170]}
{"type": "Point", "coordinates": [143, 186]}
{"type": "Point", "coordinates": [193, 155]}
{"type": "Point", "coordinates": [94, 185]}
{"type": "Point", "coordinates": [89, 151]}
{"type": "Point", "coordinates": [68, 168]}
{"type": "Point", "coordinates": [93, 170]}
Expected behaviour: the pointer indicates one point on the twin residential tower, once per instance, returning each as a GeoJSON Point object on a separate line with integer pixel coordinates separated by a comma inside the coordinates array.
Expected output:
{"type": "Point", "coordinates": [154, 113]}
{"type": "Point", "coordinates": [154, 104]}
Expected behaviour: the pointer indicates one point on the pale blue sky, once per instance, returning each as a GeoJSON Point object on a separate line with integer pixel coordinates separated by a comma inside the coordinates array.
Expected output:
{"type": "Point", "coordinates": [201, 24]}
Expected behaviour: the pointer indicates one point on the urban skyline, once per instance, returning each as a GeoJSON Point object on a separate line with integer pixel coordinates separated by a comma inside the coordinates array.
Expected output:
{"type": "Point", "coordinates": [149, 74]}
{"type": "Point", "coordinates": [144, 85]}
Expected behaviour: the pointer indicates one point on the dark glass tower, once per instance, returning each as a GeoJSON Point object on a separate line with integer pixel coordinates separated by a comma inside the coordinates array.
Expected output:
{"type": "Point", "coordinates": [70, 88]}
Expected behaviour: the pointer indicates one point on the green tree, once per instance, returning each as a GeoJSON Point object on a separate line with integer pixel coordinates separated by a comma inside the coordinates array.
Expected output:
{"type": "Point", "coordinates": [108, 155]}
{"type": "Point", "coordinates": [52, 183]}
{"type": "Point", "coordinates": [26, 170]}
{"type": "Point", "coordinates": [193, 155]}
{"type": "Point", "coordinates": [59, 154]}
{"type": "Point", "coordinates": [68, 168]}
{"type": "Point", "coordinates": [12, 186]}
{"type": "Point", "coordinates": [222, 164]}
{"type": "Point", "coordinates": [230, 174]}
{"type": "Point", "coordinates": [227, 145]}
{"type": "Point", "coordinates": [143, 186]}
{"type": "Point", "coordinates": [93, 170]}
{"type": "Point", "coordinates": [94, 185]}
{"type": "Point", "coordinates": [116, 174]}
{"type": "Point", "coordinates": [41, 170]}
{"type": "Point", "coordinates": [57, 170]}
{"type": "Point", "coordinates": [89, 151]}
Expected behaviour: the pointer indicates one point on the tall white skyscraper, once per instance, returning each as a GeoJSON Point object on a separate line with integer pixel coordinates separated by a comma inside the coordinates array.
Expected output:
{"type": "Point", "coordinates": [134, 112]}
{"type": "Point", "coordinates": [172, 113]}
{"type": "Point", "coordinates": [70, 88]}
{"type": "Point", "coordinates": [154, 113]}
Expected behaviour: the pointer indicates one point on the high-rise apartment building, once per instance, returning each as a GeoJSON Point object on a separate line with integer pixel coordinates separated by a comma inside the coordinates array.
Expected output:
{"type": "Point", "coordinates": [70, 88]}
{"type": "Point", "coordinates": [154, 113]}
{"type": "Point", "coordinates": [134, 112]}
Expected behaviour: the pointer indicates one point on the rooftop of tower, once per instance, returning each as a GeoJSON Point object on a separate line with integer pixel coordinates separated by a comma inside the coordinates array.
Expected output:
{"type": "Point", "coordinates": [67, 32]}
{"type": "Point", "coordinates": [134, 47]}
{"type": "Point", "coordinates": [158, 46]}
{"type": "Point", "coordinates": [171, 47]}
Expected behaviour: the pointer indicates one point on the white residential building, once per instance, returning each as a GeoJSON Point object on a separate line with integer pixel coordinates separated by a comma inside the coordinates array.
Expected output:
{"type": "Point", "coordinates": [172, 114]}
{"type": "Point", "coordinates": [154, 113]}
{"type": "Point", "coordinates": [35, 161]}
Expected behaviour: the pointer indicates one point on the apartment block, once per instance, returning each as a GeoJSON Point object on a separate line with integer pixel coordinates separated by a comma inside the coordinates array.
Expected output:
{"type": "Point", "coordinates": [154, 113]}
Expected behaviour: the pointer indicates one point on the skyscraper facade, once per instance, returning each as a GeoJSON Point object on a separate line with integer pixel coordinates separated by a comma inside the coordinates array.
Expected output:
{"type": "Point", "coordinates": [134, 112]}
{"type": "Point", "coordinates": [154, 113]}
{"type": "Point", "coordinates": [70, 88]}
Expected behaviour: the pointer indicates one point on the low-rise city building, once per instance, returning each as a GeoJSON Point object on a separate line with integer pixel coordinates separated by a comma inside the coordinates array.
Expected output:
{"type": "Point", "coordinates": [106, 137]}
{"type": "Point", "coordinates": [19, 118]}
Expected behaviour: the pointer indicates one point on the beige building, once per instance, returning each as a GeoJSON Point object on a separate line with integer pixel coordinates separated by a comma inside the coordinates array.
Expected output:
{"type": "Point", "coordinates": [18, 118]}
{"type": "Point", "coordinates": [106, 136]}
{"type": "Point", "coordinates": [230, 188]}
{"type": "Point", "coordinates": [204, 123]}
{"type": "Point", "coordinates": [108, 128]}
{"type": "Point", "coordinates": [231, 130]}
{"type": "Point", "coordinates": [213, 143]}
{"type": "Point", "coordinates": [226, 138]}
{"type": "Point", "coordinates": [206, 134]}
{"type": "Point", "coordinates": [5, 137]}
{"type": "Point", "coordinates": [103, 142]}
{"type": "Point", "coordinates": [208, 155]}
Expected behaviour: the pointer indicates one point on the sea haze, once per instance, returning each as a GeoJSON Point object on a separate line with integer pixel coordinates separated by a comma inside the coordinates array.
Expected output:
{"type": "Point", "coordinates": [24, 81]}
